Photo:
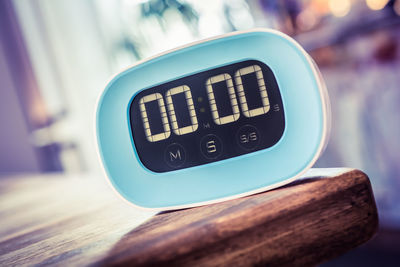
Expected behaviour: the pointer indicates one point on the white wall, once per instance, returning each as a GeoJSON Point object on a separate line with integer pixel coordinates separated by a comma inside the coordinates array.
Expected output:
{"type": "Point", "coordinates": [16, 152]}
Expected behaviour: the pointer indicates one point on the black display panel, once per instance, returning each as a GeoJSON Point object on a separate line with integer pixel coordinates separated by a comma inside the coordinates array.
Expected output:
{"type": "Point", "coordinates": [210, 116]}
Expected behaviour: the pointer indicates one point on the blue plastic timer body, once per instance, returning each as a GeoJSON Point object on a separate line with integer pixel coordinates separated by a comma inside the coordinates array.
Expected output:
{"type": "Point", "coordinates": [307, 122]}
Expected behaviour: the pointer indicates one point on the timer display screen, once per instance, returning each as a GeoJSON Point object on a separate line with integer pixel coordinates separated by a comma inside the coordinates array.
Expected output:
{"type": "Point", "coordinates": [206, 117]}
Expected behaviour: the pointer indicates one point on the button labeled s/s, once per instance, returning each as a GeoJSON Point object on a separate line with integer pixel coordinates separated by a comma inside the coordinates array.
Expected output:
{"type": "Point", "coordinates": [248, 137]}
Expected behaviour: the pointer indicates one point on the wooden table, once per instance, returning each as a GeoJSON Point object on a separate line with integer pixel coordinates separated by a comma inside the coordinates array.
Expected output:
{"type": "Point", "coordinates": [58, 220]}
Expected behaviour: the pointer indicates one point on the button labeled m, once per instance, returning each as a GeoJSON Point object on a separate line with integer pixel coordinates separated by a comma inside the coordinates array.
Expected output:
{"type": "Point", "coordinates": [175, 156]}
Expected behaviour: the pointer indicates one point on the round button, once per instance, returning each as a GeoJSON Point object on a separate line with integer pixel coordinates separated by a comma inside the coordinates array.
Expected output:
{"type": "Point", "coordinates": [211, 146]}
{"type": "Point", "coordinates": [248, 137]}
{"type": "Point", "coordinates": [175, 155]}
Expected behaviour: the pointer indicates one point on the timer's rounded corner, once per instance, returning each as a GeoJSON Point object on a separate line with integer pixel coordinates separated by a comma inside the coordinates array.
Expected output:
{"type": "Point", "coordinates": [305, 134]}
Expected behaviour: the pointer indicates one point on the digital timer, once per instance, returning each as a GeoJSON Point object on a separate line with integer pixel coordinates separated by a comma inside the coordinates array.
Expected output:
{"type": "Point", "coordinates": [208, 116]}
{"type": "Point", "coordinates": [221, 118]}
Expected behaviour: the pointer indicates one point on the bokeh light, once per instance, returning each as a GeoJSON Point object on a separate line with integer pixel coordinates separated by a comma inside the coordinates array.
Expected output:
{"type": "Point", "coordinates": [375, 4]}
{"type": "Point", "coordinates": [397, 7]}
{"type": "Point", "coordinates": [339, 8]}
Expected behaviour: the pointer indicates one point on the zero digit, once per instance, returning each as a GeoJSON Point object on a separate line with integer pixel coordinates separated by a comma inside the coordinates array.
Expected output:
{"type": "Point", "coordinates": [171, 110]}
{"type": "Point", "coordinates": [242, 95]}
{"type": "Point", "coordinates": [213, 105]}
{"type": "Point", "coordinates": [142, 105]}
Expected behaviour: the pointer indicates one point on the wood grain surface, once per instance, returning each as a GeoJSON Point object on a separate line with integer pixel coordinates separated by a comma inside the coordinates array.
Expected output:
{"type": "Point", "coordinates": [77, 221]}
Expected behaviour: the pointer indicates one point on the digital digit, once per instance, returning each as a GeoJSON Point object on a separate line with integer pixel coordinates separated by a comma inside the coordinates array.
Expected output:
{"type": "Point", "coordinates": [242, 96]}
{"type": "Point", "coordinates": [142, 104]}
{"type": "Point", "coordinates": [232, 96]}
{"type": "Point", "coordinates": [171, 110]}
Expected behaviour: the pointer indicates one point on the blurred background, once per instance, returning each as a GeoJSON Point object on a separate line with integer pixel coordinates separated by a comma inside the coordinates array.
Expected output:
{"type": "Point", "coordinates": [56, 56]}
